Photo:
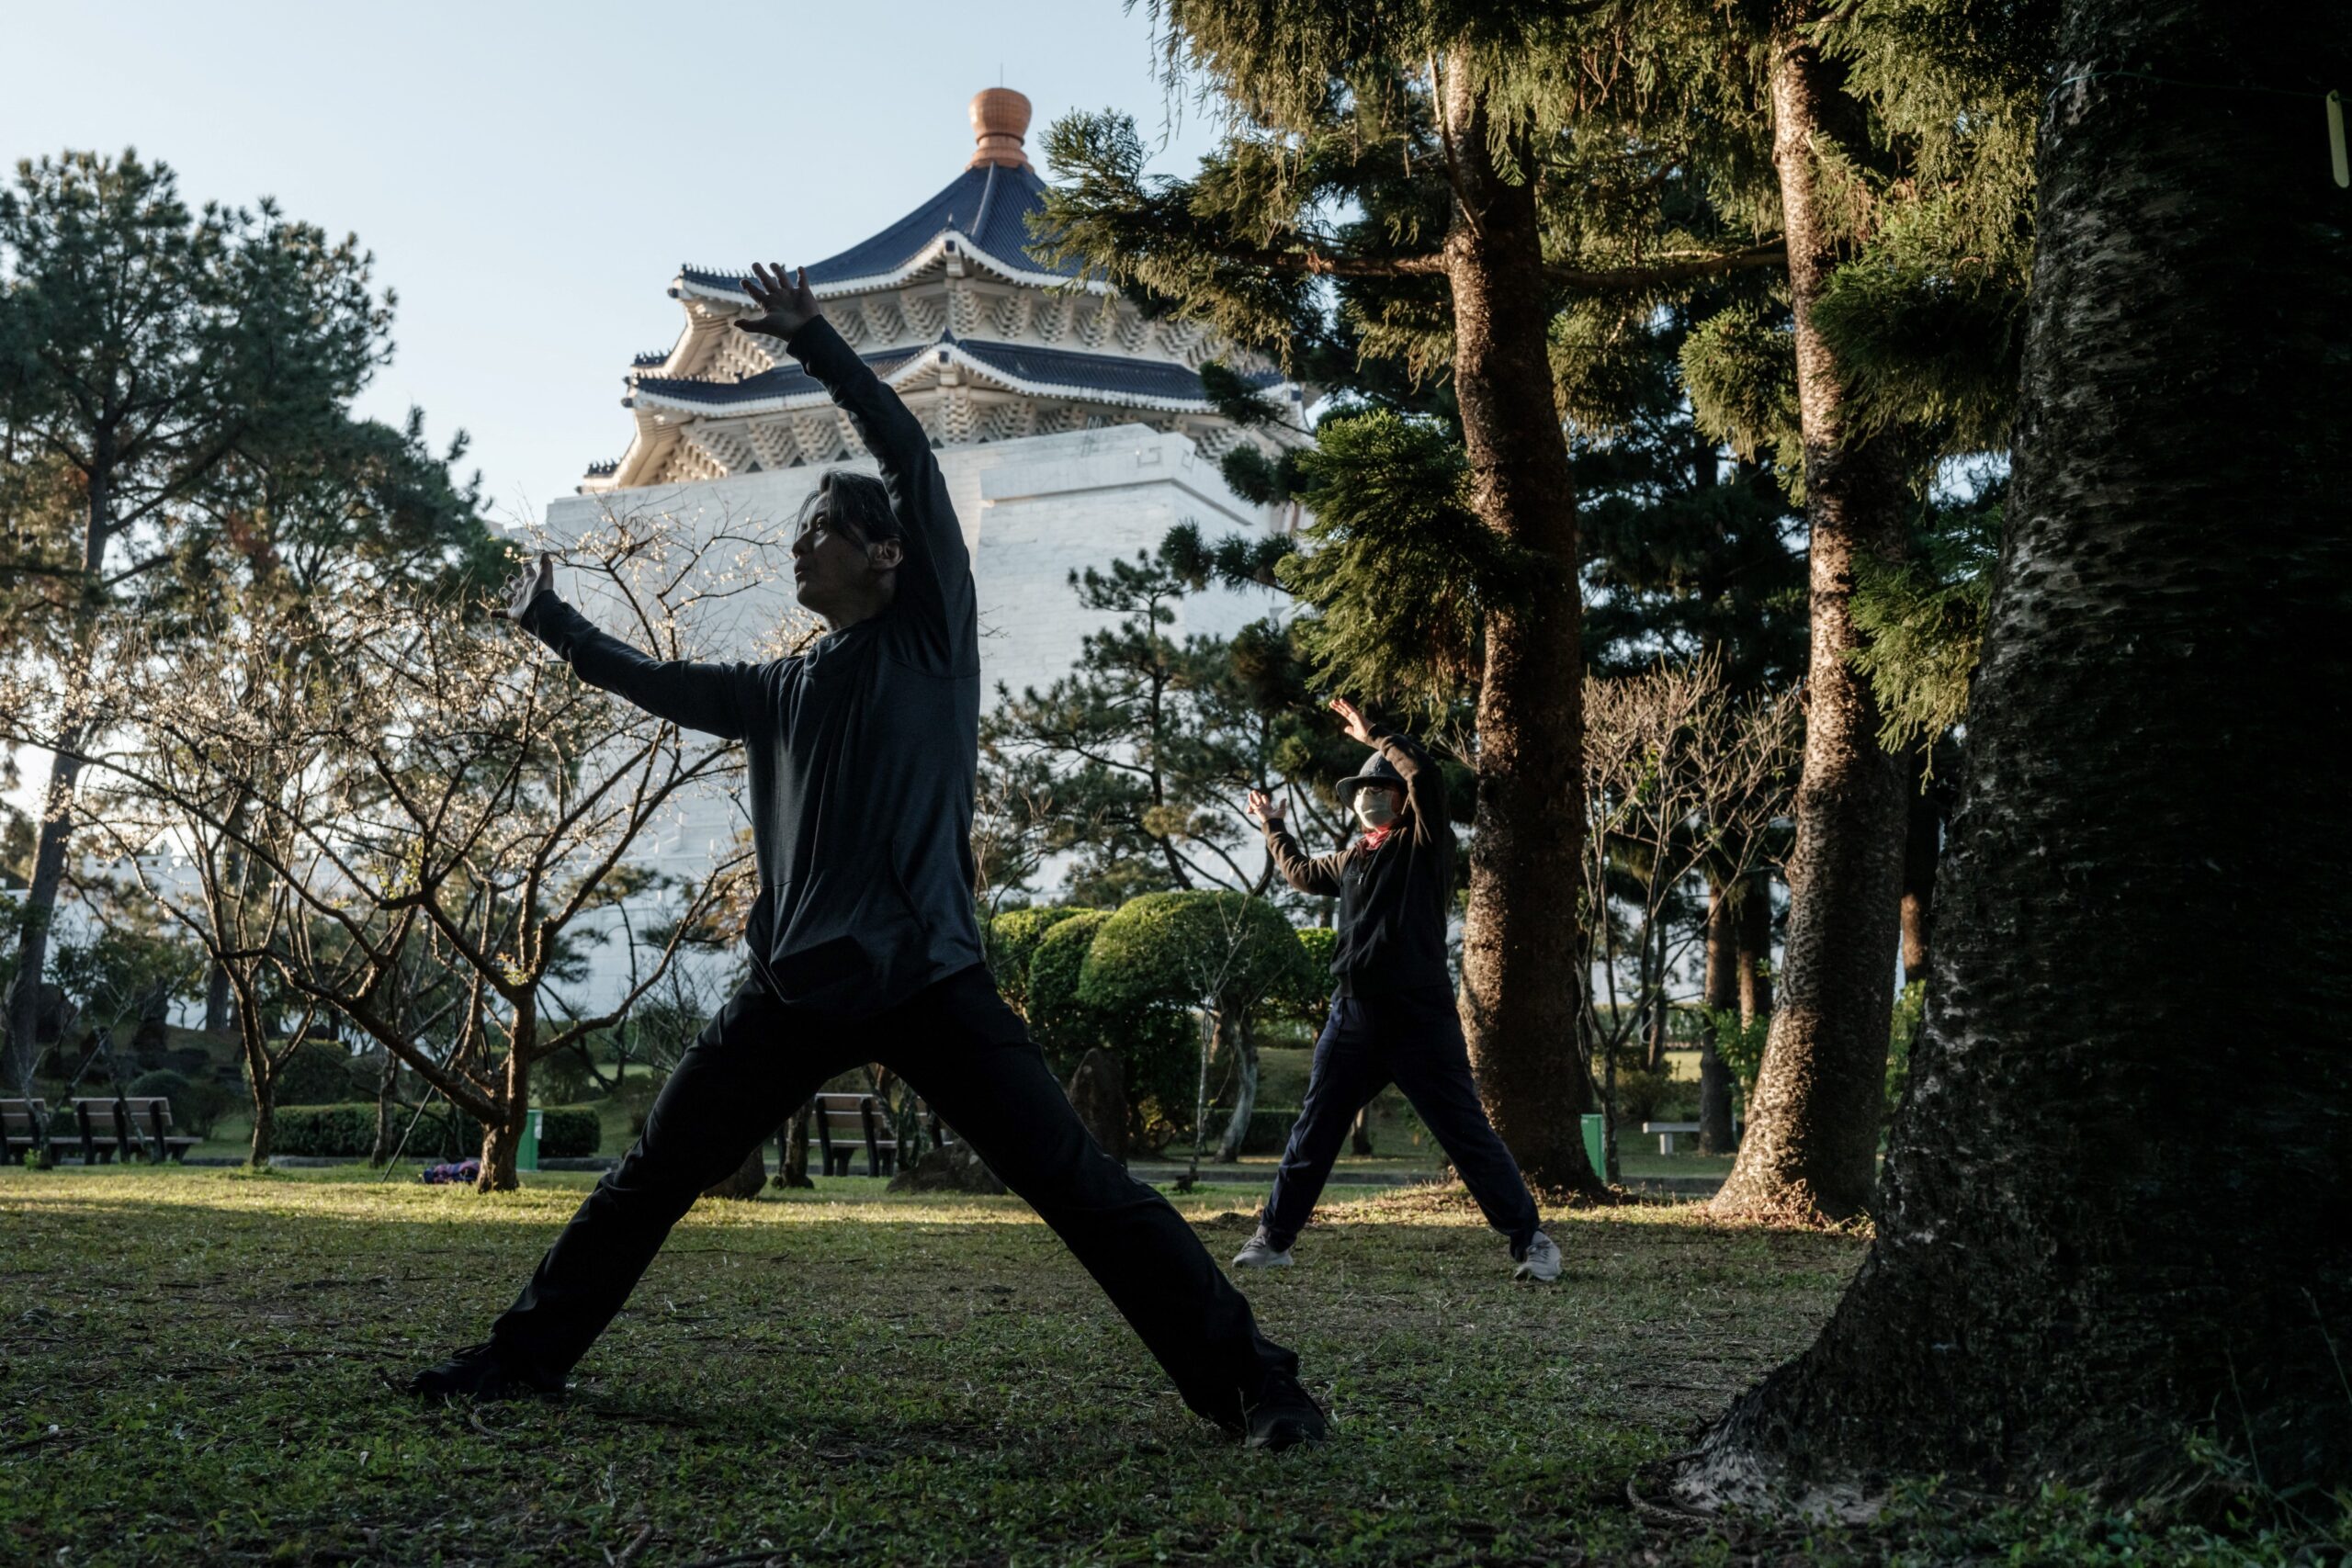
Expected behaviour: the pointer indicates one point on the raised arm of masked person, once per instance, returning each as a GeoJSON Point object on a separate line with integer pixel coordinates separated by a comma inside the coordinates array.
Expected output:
{"type": "Point", "coordinates": [1318, 874]}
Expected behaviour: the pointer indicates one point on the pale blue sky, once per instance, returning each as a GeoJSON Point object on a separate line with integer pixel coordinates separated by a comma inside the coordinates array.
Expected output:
{"type": "Point", "coordinates": [529, 176]}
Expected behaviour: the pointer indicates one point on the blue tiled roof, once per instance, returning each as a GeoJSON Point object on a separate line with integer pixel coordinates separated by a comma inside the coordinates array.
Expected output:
{"type": "Point", "coordinates": [991, 204]}
{"type": "Point", "coordinates": [1095, 372]}
{"type": "Point", "coordinates": [783, 382]}
{"type": "Point", "coordinates": [1107, 375]}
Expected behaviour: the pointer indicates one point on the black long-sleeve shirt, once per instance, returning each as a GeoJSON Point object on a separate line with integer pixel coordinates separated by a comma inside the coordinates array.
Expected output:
{"type": "Point", "coordinates": [1394, 899]}
{"type": "Point", "coordinates": [862, 751]}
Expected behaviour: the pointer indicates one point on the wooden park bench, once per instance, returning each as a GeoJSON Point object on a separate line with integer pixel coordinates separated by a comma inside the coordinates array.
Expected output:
{"type": "Point", "coordinates": [21, 1122]}
{"type": "Point", "coordinates": [1669, 1131]}
{"type": "Point", "coordinates": [856, 1121]}
{"type": "Point", "coordinates": [129, 1127]}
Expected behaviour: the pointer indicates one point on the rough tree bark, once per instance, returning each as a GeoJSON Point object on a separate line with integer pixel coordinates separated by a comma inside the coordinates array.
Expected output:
{"type": "Point", "coordinates": [2112, 1212]}
{"type": "Point", "coordinates": [1519, 1000]}
{"type": "Point", "coordinates": [1756, 949]}
{"type": "Point", "coordinates": [1723, 994]}
{"type": "Point", "coordinates": [1810, 1149]}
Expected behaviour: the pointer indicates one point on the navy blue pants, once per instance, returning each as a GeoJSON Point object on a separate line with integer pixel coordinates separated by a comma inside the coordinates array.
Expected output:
{"type": "Point", "coordinates": [970, 1057]}
{"type": "Point", "coordinates": [1413, 1040]}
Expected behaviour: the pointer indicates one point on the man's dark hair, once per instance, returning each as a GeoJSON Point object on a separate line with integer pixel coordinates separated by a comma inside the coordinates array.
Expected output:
{"type": "Point", "coordinates": [857, 505]}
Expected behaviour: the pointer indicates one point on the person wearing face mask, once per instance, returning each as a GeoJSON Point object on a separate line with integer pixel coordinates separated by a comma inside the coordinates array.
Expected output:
{"type": "Point", "coordinates": [1393, 1017]}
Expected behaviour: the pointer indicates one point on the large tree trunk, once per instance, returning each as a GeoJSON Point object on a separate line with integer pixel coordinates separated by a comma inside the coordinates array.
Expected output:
{"type": "Point", "coordinates": [1810, 1151]}
{"type": "Point", "coordinates": [1238, 1045]}
{"type": "Point", "coordinates": [39, 909]}
{"type": "Point", "coordinates": [1922, 848]}
{"type": "Point", "coordinates": [501, 1131]}
{"type": "Point", "coordinates": [1722, 996]}
{"type": "Point", "coordinates": [388, 1132]}
{"type": "Point", "coordinates": [2113, 1221]}
{"type": "Point", "coordinates": [792, 1169]}
{"type": "Point", "coordinates": [1756, 949]}
{"type": "Point", "coordinates": [1518, 996]}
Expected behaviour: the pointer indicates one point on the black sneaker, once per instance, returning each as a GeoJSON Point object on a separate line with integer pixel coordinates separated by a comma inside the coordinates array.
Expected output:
{"type": "Point", "coordinates": [477, 1373]}
{"type": "Point", "coordinates": [1283, 1416]}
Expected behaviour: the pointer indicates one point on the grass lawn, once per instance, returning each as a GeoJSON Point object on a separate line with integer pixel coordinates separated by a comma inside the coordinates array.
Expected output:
{"type": "Point", "coordinates": [199, 1365]}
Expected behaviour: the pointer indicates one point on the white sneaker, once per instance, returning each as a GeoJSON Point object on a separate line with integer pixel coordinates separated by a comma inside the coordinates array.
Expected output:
{"type": "Point", "coordinates": [1541, 1264]}
{"type": "Point", "coordinates": [1259, 1253]}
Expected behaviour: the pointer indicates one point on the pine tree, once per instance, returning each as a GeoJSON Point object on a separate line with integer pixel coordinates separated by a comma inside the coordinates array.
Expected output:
{"type": "Point", "coordinates": [1440, 136]}
{"type": "Point", "coordinates": [1901, 144]}
{"type": "Point", "coordinates": [142, 348]}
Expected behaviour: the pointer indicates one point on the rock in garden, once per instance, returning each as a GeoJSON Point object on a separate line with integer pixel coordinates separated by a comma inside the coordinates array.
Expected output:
{"type": "Point", "coordinates": [953, 1168]}
{"type": "Point", "coordinates": [1099, 1089]}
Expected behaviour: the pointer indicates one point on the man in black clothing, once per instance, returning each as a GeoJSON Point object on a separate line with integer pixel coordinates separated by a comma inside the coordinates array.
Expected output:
{"type": "Point", "coordinates": [1393, 1017]}
{"type": "Point", "coordinates": [861, 755]}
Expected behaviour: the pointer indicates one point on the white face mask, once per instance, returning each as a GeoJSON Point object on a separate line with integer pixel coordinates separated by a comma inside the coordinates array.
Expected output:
{"type": "Point", "coordinates": [1375, 807]}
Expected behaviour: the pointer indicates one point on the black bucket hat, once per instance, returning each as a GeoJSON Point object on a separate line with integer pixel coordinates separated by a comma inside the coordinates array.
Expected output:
{"type": "Point", "coordinates": [1377, 770]}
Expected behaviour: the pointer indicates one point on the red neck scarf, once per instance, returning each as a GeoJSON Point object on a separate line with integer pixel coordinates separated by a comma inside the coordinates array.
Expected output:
{"type": "Point", "coordinates": [1376, 837]}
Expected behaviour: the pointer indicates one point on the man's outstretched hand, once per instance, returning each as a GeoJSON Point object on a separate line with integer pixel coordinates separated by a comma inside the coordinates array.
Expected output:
{"type": "Point", "coordinates": [1358, 731]}
{"type": "Point", "coordinates": [526, 584]}
{"type": "Point", "coordinates": [786, 303]}
{"type": "Point", "coordinates": [1264, 808]}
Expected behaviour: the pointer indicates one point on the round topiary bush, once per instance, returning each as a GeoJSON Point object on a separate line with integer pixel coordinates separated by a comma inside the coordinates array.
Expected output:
{"type": "Point", "coordinates": [196, 1105]}
{"type": "Point", "coordinates": [1057, 1019]}
{"type": "Point", "coordinates": [1014, 937]}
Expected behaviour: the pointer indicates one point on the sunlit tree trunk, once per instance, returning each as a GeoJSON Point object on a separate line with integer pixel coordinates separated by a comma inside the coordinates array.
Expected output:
{"type": "Point", "coordinates": [1722, 996]}
{"type": "Point", "coordinates": [1518, 996]}
{"type": "Point", "coordinates": [2112, 1220]}
{"type": "Point", "coordinates": [1812, 1139]}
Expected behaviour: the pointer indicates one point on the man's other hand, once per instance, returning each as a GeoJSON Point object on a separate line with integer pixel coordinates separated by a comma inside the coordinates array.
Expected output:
{"type": "Point", "coordinates": [1264, 808]}
{"type": "Point", "coordinates": [786, 303]}
{"type": "Point", "coordinates": [528, 583]}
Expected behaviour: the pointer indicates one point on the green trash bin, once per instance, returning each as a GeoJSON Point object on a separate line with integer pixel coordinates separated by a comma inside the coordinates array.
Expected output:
{"type": "Point", "coordinates": [528, 1157]}
{"type": "Point", "coordinates": [1596, 1144]}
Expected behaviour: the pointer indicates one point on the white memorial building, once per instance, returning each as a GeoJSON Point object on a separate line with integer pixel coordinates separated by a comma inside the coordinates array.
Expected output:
{"type": "Point", "coordinates": [1070, 428]}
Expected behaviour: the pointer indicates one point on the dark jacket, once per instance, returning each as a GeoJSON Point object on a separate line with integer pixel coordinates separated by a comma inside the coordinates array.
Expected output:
{"type": "Point", "coordinates": [1394, 899]}
{"type": "Point", "coordinates": [861, 752]}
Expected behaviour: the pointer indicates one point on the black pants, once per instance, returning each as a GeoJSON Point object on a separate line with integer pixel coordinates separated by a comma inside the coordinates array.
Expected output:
{"type": "Point", "coordinates": [967, 1054]}
{"type": "Point", "coordinates": [1415, 1040]}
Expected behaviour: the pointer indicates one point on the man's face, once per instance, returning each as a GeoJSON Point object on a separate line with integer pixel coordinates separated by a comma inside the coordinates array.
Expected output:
{"type": "Point", "coordinates": [830, 569]}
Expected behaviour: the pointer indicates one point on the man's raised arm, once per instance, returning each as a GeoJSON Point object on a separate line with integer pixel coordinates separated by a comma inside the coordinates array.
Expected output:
{"type": "Point", "coordinates": [936, 579]}
{"type": "Point", "coordinates": [712, 698]}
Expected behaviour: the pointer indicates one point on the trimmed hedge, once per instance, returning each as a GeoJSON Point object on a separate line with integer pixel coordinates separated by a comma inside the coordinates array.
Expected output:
{"type": "Point", "coordinates": [566, 1132]}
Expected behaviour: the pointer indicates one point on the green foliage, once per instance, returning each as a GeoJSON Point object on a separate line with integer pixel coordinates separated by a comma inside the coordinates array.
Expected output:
{"type": "Point", "coordinates": [349, 1131]}
{"type": "Point", "coordinates": [122, 971]}
{"type": "Point", "coordinates": [318, 1072]}
{"type": "Point", "coordinates": [1741, 1048]}
{"type": "Point", "coordinates": [1923, 621]}
{"type": "Point", "coordinates": [1155, 1045]}
{"type": "Point", "coordinates": [1058, 1020]}
{"type": "Point", "coordinates": [196, 1107]}
{"type": "Point", "coordinates": [1740, 367]}
{"type": "Point", "coordinates": [1402, 573]}
{"type": "Point", "coordinates": [1910, 1018]}
{"type": "Point", "coordinates": [1306, 997]}
{"type": "Point", "coordinates": [1180, 950]}
{"type": "Point", "coordinates": [1014, 940]}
